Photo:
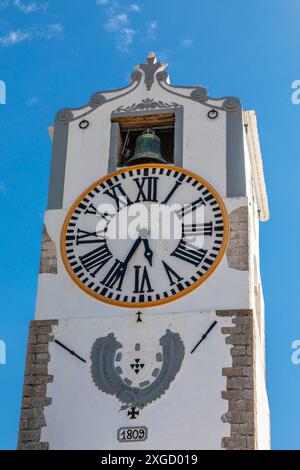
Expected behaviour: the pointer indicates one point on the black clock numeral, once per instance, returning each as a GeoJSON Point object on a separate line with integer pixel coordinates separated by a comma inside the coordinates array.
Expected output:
{"type": "Point", "coordinates": [96, 259]}
{"type": "Point", "coordinates": [197, 230]}
{"type": "Point", "coordinates": [142, 281]}
{"type": "Point", "coordinates": [118, 194]}
{"type": "Point", "coordinates": [147, 187]}
{"type": "Point", "coordinates": [88, 237]}
{"type": "Point", "coordinates": [172, 275]}
{"type": "Point", "coordinates": [189, 253]}
{"type": "Point", "coordinates": [115, 275]}
{"type": "Point", "coordinates": [188, 208]}
{"type": "Point", "coordinates": [91, 209]}
{"type": "Point", "coordinates": [194, 254]}
{"type": "Point", "coordinates": [175, 187]}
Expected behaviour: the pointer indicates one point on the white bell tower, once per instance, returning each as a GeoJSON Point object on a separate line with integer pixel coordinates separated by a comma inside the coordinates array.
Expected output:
{"type": "Point", "coordinates": [150, 343]}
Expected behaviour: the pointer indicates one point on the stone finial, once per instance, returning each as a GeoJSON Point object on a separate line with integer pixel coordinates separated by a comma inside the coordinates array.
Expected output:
{"type": "Point", "coordinates": [151, 58]}
{"type": "Point", "coordinates": [151, 68]}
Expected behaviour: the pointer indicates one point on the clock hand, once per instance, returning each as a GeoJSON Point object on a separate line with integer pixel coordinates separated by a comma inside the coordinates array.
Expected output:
{"type": "Point", "coordinates": [132, 250]}
{"type": "Point", "coordinates": [123, 265]}
{"type": "Point", "coordinates": [148, 252]}
{"type": "Point", "coordinates": [69, 350]}
{"type": "Point", "coordinates": [204, 336]}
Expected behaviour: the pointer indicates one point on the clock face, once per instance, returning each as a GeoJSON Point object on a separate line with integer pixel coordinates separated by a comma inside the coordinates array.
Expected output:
{"type": "Point", "coordinates": [144, 235]}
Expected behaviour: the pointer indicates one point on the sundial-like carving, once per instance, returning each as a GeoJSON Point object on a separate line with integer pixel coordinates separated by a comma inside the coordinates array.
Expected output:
{"type": "Point", "coordinates": [107, 375]}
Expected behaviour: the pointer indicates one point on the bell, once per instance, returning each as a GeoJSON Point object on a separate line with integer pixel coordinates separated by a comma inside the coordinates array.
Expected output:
{"type": "Point", "coordinates": [147, 149]}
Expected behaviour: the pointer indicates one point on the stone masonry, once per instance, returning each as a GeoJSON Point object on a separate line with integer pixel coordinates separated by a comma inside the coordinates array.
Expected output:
{"type": "Point", "coordinates": [237, 252]}
{"type": "Point", "coordinates": [240, 387]}
{"type": "Point", "coordinates": [35, 386]}
{"type": "Point", "coordinates": [48, 256]}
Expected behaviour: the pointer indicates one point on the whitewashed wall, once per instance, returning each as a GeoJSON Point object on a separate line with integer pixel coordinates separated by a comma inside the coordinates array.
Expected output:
{"type": "Point", "coordinates": [256, 302]}
{"type": "Point", "coordinates": [188, 416]}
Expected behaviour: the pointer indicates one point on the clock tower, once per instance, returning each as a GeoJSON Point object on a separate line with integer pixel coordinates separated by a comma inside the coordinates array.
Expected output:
{"type": "Point", "coordinates": [149, 323]}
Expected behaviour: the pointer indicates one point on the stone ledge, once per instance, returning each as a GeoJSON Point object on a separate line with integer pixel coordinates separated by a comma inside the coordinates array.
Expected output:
{"type": "Point", "coordinates": [235, 313]}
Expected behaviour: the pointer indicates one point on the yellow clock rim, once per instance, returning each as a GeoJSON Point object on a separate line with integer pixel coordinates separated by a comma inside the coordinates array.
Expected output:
{"type": "Point", "coordinates": [174, 297]}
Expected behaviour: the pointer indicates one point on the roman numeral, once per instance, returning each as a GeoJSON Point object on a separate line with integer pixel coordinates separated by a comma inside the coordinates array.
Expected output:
{"type": "Point", "coordinates": [87, 237]}
{"type": "Point", "coordinates": [118, 194]}
{"type": "Point", "coordinates": [147, 186]}
{"type": "Point", "coordinates": [188, 208]}
{"type": "Point", "coordinates": [172, 275]}
{"type": "Point", "coordinates": [115, 275]}
{"type": "Point", "coordinates": [91, 209]}
{"type": "Point", "coordinates": [197, 230]}
{"type": "Point", "coordinates": [189, 253]}
{"type": "Point", "coordinates": [96, 259]}
{"type": "Point", "coordinates": [142, 281]}
{"type": "Point", "coordinates": [176, 185]}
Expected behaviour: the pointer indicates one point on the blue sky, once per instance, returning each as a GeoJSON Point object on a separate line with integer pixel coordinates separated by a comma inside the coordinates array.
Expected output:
{"type": "Point", "coordinates": [56, 53]}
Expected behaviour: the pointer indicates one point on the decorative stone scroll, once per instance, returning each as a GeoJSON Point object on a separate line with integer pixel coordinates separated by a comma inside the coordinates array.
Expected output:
{"type": "Point", "coordinates": [146, 105]}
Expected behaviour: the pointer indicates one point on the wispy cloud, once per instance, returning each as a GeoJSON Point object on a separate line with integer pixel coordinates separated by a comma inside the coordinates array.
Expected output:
{"type": "Point", "coordinates": [135, 7]}
{"type": "Point", "coordinates": [152, 28]}
{"type": "Point", "coordinates": [187, 42]}
{"type": "Point", "coordinates": [31, 101]}
{"type": "Point", "coordinates": [24, 6]}
{"type": "Point", "coordinates": [115, 22]}
{"type": "Point", "coordinates": [30, 7]}
{"type": "Point", "coordinates": [118, 22]}
{"type": "Point", "coordinates": [17, 36]}
{"type": "Point", "coordinates": [125, 38]}
{"type": "Point", "coordinates": [53, 30]}
{"type": "Point", "coordinates": [14, 37]}
{"type": "Point", "coordinates": [114, 4]}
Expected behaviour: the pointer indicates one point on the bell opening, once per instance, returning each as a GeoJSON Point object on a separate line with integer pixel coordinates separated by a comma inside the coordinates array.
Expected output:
{"type": "Point", "coordinates": [147, 149]}
{"type": "Point", "coordinates": [161, 126]}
